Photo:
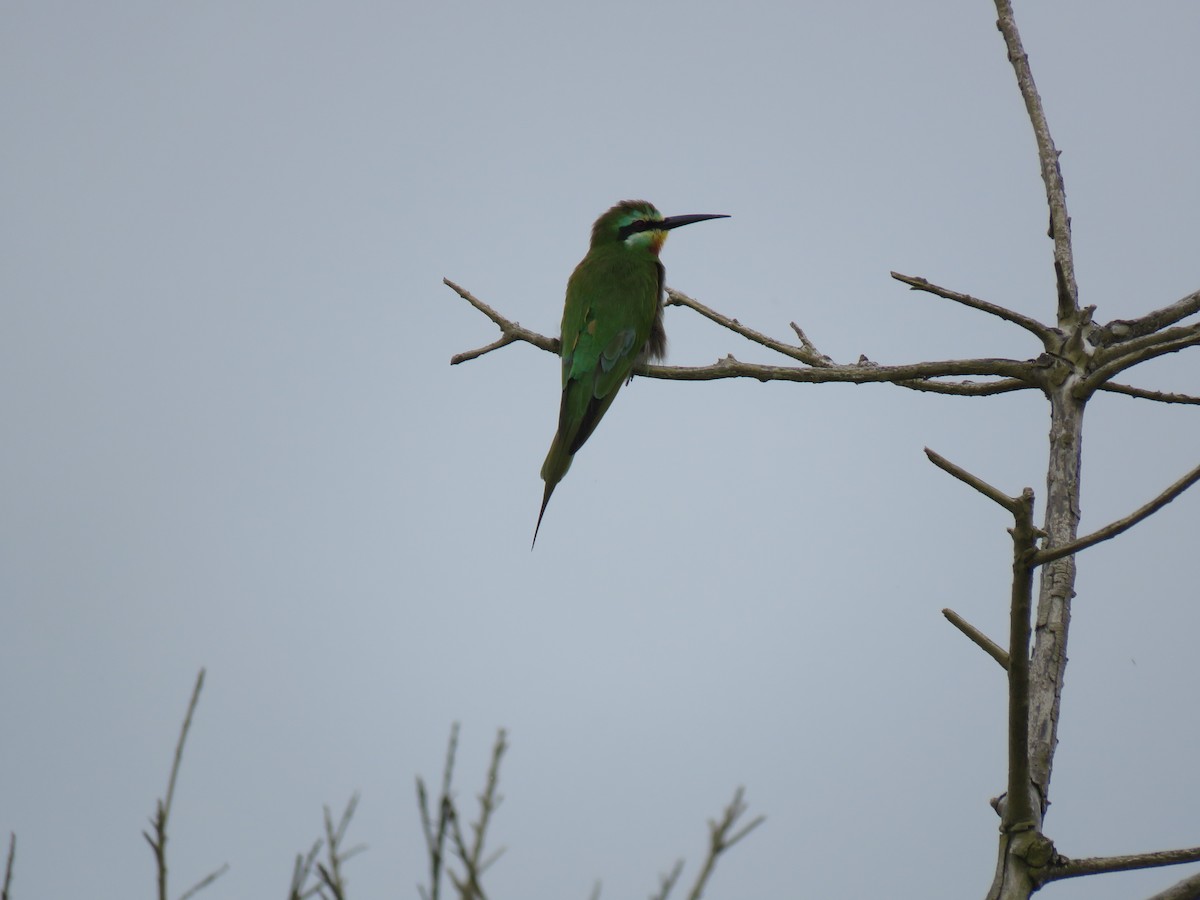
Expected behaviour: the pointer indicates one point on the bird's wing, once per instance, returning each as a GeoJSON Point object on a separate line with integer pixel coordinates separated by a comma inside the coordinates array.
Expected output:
{"type": "Point", "coordinates": [603, 335]}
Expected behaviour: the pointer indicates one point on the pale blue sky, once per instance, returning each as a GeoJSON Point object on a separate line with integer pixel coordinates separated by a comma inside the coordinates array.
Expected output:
{"type": "Point", "coordinates": [232, 438]}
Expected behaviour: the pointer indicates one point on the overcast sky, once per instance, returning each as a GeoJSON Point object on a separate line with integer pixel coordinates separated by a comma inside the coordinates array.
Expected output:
{"type": "Point", "coordinates": [232, 439]}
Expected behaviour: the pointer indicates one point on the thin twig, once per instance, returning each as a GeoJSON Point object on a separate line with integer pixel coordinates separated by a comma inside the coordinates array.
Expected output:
{"type": "Point", "coordinates": [1074, 868]}
{"type": "Point", "coordinates": [805, 353]}
{"type": "Point", "coordinates": [1056, 196]}
{"type": "Point", "coordinates": [721, 839]}
{"type": "Point", "coordinates": [985, 643]}
{"type": "Point", "coordinates": [667, 882]}
{"type": "Point", "coordinates": [435, 839]}
{"type": "Point", "coordinates": [1143, 394]}
{"type": "Point", "coordinates": [301, 869]}
{"type": "Point", "coordinates": [204, 882]}
{"type": "Point", "coordinates": [488, 801]}
{"type": "Point", "coordinates": [1044, 333]}
{"type": "Point", "coordinates": [1113, 529]}
{"type": "Point", "coordinates": [331, 875]}
{"type": "Point", "coordinates": [162, 812]}
{"type": "Point", "coordinates": [1012, 504]}
{"type": "Point", "coordinates": [510, 331]}
{"type": "Point", "coordinates": [8, 865]}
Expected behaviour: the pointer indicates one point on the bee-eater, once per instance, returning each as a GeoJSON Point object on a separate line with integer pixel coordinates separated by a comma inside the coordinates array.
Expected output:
{"type": "Point", "coordinates": [612, 321]}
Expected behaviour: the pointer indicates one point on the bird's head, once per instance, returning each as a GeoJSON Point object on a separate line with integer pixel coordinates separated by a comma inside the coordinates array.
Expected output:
{"type": "Point", "coordinates": [637, 223]}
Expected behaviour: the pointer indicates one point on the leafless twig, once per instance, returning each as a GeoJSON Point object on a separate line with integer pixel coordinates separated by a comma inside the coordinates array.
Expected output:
{"type": "Point", "coordinates": [1074, 868]}
{"type": "Point", "coordinates": [1152, 322]}
{"type": "Point", "coordinates": [1056, 195]}
{"type": "Point", "coordinates": [1043, 332]}
{"type": "Point", "coordinates": [301, 870]}
{"type": "Point", "coordinates": [722, 836]}
{"type": "Point", "coordinates": [162, 812]}
{"type": "Point", "coordinates": [993, 494]}
{"type": "Point", "coordinates": [8, 865]}
{"type": "Point", "coordinates": [1114, 528]}
{"type": "Point", "coordinates": [985, 643]}
{"type": "Point", "coordinates": [1143, 394]}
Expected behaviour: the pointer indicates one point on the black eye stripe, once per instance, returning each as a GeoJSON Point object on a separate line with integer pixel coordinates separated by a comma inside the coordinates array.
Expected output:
{"type": "Point", "coordinates": [636, 227]}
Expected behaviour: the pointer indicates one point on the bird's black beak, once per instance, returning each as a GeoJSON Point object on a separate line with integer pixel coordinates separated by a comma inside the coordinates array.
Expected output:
{"type": "Point", "coordinates": [675, 221]}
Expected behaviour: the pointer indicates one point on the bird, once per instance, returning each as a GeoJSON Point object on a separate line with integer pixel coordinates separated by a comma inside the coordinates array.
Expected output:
{"type": "Point", "coordinates": [612, 321]}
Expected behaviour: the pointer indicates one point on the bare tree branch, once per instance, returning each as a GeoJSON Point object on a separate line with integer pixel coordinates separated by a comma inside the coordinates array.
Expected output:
{"type": "Point", "coordinates": [1012, 375]}
{"type": "Point", "coordinates": [1143, 394]}
{"type": "Point", "coordinates": [863, 372]}
{"type": "Point", "coordinates": [510, 331]}
{"type": "Point", "coordinates": [204, 882]}
{"type": "Point", "coordinates": [1022, 812]}
{"type": "Point", "coordinates": [722, 837]}
{"type": "Point", "coordinates": [805, 353]}
{"type": "Point", "coordinates": [1157, 320]}
{"type": "Point", "coordinates": [1056, 195]}
{"type": "Point", "coordinates": [1012, 504]}
{"type": "Point", "coordinates": [1113, 529]}
{"type": "Point", "coordinates": [668, 881]}
{"type": "Point", "coordinates": [1045, 334]}
{"type": "Point", "coordinates": [435, 839]}
{"type": "Point", "coordinates": [301, 869]}
{"type": "Point", "coordinates": [1171, 341]}
{"type": "Point", "coordinates": [8, 865]}
{"type": "Point", "coordinates": [162, 811]}
{"type": "Point", "coordinates": [985, 643]}
{"type": "Point", "coordinates": [1074, 868]}
{"type": "Point", "coordinates": [1188, 889]}
{"type": "Point", "coordinates": [967, 388]}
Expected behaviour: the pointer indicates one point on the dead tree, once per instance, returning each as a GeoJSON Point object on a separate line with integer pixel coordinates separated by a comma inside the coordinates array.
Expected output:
{"type": "Point", "coordinates": [1078, 358]}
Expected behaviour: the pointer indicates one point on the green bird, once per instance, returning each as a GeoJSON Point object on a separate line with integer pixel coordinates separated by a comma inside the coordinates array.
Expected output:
{"type": "Point", "coordinates": [612, 321]}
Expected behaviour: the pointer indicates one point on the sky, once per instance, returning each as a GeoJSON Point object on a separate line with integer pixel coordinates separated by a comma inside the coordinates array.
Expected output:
{"type": "Point", "coordinates": [232, 439]}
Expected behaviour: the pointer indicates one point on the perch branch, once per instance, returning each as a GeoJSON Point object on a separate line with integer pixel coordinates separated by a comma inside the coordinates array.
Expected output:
{"type": "Point", "coordinates": [1096, 865]}
{"type": "Point", "coordinates": [1013, 375]}
{"type": "Point", "coordinates": [1043, 332]}
{"type": "Point", "coordinates": [1056, 195]}
{"type": "Point", "coordinates": [1113, 529]}
{"type": "Point", "coordinates": [865, 372]}
{"type": "Point", "coordinates": [985, 643]}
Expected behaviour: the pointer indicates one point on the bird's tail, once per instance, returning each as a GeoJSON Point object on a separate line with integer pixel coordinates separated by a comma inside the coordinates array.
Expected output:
{"type": "Point", "coordinates": [558, 460]}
